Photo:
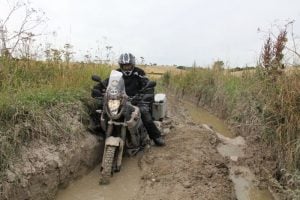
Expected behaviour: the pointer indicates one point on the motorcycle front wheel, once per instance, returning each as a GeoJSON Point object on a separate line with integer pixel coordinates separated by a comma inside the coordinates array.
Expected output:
{"type": "Point", "coordinates": [107, 165]}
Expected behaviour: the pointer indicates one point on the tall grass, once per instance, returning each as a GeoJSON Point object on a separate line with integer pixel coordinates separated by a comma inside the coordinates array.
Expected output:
{"type": "Point", "coordinates": [254, 102]}
{"type": "Point", "coordinates": [28, 90]}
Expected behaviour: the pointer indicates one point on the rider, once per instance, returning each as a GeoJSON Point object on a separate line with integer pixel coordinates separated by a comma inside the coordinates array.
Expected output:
{"type": "Point", "coordinates": [135, 79]}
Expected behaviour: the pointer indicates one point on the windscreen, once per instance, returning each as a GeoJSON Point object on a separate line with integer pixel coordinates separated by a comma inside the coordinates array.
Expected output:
{"type": "Point", "coordinates": [116, 86]}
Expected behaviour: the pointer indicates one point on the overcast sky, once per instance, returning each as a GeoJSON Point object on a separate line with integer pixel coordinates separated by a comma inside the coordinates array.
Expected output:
{"type": "Point", "coordinates": [169, 31]}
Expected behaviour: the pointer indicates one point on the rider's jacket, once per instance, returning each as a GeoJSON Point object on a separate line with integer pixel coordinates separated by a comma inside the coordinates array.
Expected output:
{"type": "Point", "coordinates": [133, 83]}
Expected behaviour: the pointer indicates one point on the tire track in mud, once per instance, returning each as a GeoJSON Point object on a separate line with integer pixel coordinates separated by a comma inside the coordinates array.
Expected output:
{"type": "Point", "coordinates": [188, 167]}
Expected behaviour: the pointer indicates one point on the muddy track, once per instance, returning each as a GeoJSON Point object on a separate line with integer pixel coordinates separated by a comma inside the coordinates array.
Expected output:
{"type": "Point", "coordinates": [189, 167]}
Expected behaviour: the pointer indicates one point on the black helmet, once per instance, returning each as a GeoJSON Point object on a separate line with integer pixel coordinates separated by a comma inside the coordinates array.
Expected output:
{"type": "Point", "coordinates": [127, 59]}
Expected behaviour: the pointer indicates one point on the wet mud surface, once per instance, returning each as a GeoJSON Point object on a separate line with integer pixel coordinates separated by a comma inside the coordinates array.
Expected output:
{"type": "Point", "coordinates": [198, 162]}
{"type": "Point", "coordinates": [234, 149]}
{"type": "Point", "coordinates": [189, 167]}
{"type": "Point", "coordinates": [124, 184]}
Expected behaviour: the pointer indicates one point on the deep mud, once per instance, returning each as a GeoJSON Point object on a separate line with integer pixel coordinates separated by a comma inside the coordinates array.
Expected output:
{"type": "Point", "coordinates": [255, 165]}
{"type": "Point", "coordinates": [196, 163]}
{"type": "Point", "coordinates": [189, 167]}
{"type": "Point", "coordinates": [123, 185]}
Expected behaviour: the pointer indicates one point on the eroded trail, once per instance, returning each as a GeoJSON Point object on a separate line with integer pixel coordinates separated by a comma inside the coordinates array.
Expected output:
{"type": "Point", "coordinates": [233, 148]}
{"type": "Point", "coordinates": [188, 167]}
{"type": "Point", "coordinates": [124, 184]}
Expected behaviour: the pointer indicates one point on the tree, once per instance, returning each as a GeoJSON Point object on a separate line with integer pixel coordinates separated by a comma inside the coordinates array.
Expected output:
{"type": "Point", "coordinates": [68, 53]}
{"type": "Point", "coordinates": [18, 32]}
{"type": "Point", "coordinates": [142, 60]}
{"type": "Point", "coordinates": [194, 65]}
{"type": "Point", "coordinates": [56, 55]}
{"type": "Point", "coordinates": [218, 65]}
{"type": "Point", "coordinates": [108, 53]}
{"type": "Point", "coordinates": [26, 43]}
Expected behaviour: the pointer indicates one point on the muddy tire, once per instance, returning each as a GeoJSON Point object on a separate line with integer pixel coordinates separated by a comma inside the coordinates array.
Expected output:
{"type": "Point", "coordinates": [107, 165]}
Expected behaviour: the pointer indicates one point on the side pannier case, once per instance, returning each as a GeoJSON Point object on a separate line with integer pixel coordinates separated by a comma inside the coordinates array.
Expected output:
{"type": "Point", "coordinates": [159, 107]}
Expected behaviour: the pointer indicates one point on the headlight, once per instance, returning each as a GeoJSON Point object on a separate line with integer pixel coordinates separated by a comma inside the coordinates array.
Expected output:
{"type": "Point", "coordinates": [113, 106]}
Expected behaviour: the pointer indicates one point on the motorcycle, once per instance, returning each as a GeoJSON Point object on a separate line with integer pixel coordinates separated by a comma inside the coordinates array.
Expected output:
{"type": "Point", "coordinates": [121, 121]}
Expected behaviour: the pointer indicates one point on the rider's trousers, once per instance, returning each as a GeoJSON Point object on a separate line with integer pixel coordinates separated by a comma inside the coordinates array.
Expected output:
{"type": "Point", "coordinates": [151, 128]}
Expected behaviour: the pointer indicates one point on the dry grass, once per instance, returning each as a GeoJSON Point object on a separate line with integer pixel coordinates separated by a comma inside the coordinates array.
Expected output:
{"type": "Point", "coordinates": [258, 102]}
{"type": "Point", "coordinates": [156, 72]}
{"type": "Point", "coordinates": [28, 91]}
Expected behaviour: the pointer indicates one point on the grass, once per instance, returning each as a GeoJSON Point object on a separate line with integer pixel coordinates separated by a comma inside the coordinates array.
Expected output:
{"type": "Point", "coordinates": [263, 104]}
{"type": "Point", "coordinates": [29, 93]}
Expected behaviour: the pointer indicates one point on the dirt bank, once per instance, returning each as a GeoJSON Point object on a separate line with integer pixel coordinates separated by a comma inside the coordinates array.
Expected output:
{"type": "Point", "coordinates": [44, 166]}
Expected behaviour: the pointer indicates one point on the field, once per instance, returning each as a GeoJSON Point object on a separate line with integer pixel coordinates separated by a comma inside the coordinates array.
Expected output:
{"type": "Point", "coordinates": [259, 106]}
{"type": "Point", "coordinates": [156, 72]}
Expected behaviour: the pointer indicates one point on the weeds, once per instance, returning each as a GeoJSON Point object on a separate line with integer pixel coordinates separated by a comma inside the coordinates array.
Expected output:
{"type": "Point", "coordinates": [270, 109]}
{"type": "Point", "coordinates": [29, 91]}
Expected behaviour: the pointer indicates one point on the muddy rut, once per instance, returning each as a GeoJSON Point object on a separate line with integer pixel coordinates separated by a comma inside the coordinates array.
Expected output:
{"type": "Point", "coordinates": [189, 167]}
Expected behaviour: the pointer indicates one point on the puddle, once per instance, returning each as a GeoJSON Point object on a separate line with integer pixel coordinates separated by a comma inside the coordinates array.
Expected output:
{"type": "Point", "coordinates": [244, 185]}
{"type": "Point", "coordinates": [232, 147]}
{"type": "Point", "coordinates": [261, 195]}
{"type": "Point", "coordinates": [123, 185]}
{"type": "Point", "coordinates": [230, 151]}
{"type": "Point", "coordinates": [201, 116]}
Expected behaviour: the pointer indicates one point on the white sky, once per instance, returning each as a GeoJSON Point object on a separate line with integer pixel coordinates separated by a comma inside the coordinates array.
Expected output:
{"type": "Point", "coordinates": [169, 31]}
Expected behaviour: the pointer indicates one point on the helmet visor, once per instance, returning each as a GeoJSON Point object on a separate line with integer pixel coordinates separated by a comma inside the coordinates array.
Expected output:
{"type": "Point", "coordinates": [127, 67]}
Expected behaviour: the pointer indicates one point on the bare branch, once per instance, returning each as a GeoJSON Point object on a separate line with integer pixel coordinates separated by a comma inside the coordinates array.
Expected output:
{"type": "Point", "coordinates": [293, 39]}
{"type": "Point", "coordinates": [15, 7]}
{"type": "Point", "coordinates": [293, 51]}
{"type": "Point", "coordinates": [21, 29]}
{"type": "Point", "coordinates": [32, 19]}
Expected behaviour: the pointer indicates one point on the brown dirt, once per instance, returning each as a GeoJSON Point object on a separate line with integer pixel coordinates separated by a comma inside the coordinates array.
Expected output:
{"type": "Point", "coordinates": [43, 166]}
{"type": "Point", "coordinates": [262, 161]}
{"type": "Point", "coordinates": [188, 167]}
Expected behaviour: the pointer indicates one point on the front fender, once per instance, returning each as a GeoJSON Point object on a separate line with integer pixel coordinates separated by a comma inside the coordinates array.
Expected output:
{"type": "Point", "coordinates": [113, 141]}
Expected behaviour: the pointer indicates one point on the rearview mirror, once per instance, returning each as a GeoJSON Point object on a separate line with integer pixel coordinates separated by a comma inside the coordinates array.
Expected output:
{"type": "Point", "coordinates": [96, 78]}
{"type": "Point", "coordinates": [151, 84]}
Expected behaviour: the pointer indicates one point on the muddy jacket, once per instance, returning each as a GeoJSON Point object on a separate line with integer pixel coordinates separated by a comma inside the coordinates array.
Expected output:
{"type": "Point", "coordinates": [133, 83]}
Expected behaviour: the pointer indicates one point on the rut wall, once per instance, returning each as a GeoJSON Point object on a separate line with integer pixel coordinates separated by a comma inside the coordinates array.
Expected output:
{"type": "Point", "coordinates": [45, 168]}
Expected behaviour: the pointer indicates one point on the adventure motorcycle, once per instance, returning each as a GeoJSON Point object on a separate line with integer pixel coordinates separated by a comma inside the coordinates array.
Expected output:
{"type": "Point", "coordinates": [121, 121]}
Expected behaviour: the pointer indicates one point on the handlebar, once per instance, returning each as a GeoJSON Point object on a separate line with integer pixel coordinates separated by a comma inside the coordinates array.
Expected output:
{"type": "Point", "coordinates": [138, 98]}
{"type": "Point", "coordinates": [98, 79]}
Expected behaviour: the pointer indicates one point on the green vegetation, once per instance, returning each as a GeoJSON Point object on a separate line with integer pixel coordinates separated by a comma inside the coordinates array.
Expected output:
{"type": "Point", "coordinates": [29, 90]}
{"type": "Point", "coordinates": [254, 102]}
